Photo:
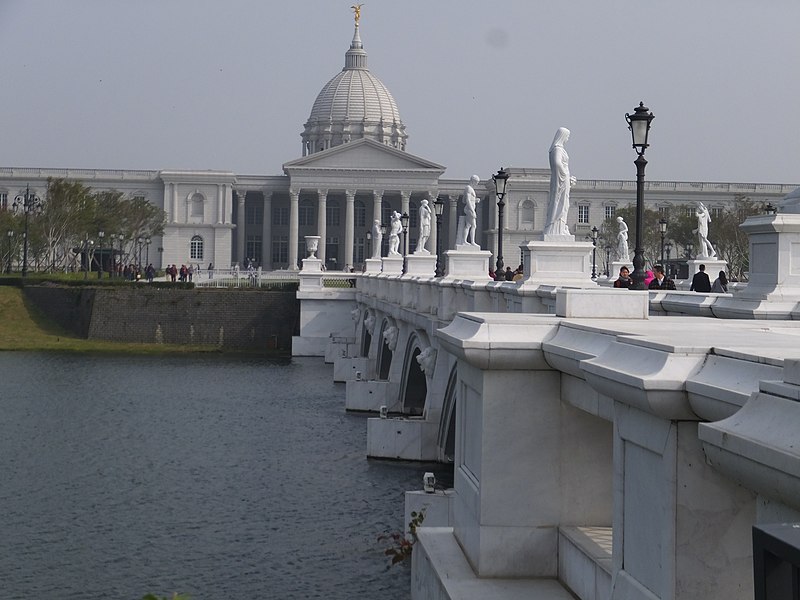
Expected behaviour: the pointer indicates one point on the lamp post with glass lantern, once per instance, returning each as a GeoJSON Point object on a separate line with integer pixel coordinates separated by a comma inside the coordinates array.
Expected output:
{"type": "Point", "coordinates": [86, 260]}
{"type": "Point", "coordinates": [100, 235]}
{"type": "Point", "coordinates": [438, 208]}
{"type": "Point", "coordinates": [28, 202]}
{"type": "Point", "coordinates": [147, 242]}
{"type": "Point", "coordinates": [404, 218]}
{"type": "Point", "coordinates": [9, 235]}
{"type": "Point", "coordinates": [668, 248]}
{"type": "Point", "coordinates": [608, 260]}
{"type": "Point", "coordinates": [500, 182]}
{"type": "Point", "coordinates": [689, 250]}
{"type": "Point", "coordinates": [368, 236]}
{"type": "Point", "coordinates": [594, 233]}
{"type": "Point", "coordinates": [384, 237]}
{"type": "Point", "coordinates": [662, 227]}
{"type": "Point", "coordinates": [140, 243]}
{"type": "Point", "coordinates": [639, 125]}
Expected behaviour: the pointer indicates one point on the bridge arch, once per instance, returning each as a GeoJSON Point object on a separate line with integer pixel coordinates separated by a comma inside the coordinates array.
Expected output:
{"type": "Point", "coordinates": [368, 325]}
{"type": "Point", "coordinates": [446, 439]}
{"type": "Point", "coordinates": [388, 336]}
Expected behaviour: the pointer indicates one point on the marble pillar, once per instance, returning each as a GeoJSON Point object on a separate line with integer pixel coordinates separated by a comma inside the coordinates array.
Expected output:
{"type": "Point", "coordinates": [294, 226]}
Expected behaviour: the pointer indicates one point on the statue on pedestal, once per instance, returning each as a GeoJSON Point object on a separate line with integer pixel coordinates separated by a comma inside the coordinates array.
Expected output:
{"type": "Point", "coordinates": [394, 234]}
{"type": "Point", "coordinates": [377, 239]}
{"type": "Point", "coordinates": [705, 250]}
{"type": "Point", "coordinates": [470, 214]}
{"type": "Point", "coordinates": [424, 227]}
{"type": "Point", "coordinates": [560, 183]}
{"type": "Point", "coordinates": [623, 253]}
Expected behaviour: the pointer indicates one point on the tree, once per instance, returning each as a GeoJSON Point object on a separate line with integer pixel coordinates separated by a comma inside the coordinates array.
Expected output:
{"type": "Point", "coordinates": [728, 238]}
{"type": "Point", "coordinates": [66, 210]}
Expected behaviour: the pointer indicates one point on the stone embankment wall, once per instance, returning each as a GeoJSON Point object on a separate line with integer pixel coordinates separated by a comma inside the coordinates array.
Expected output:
{"type": "Point", "coordinates": [230, 319]}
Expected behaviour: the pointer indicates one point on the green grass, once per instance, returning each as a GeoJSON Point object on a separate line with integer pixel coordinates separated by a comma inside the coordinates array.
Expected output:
{"type": "Point", "coordinates": [22, 327]}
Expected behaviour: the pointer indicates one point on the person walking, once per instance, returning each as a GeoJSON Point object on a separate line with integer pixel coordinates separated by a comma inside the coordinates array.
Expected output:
{"type": "Point", "coordinates": [700, 281]}
{"type": "Point", "coordinates": [660, 281]}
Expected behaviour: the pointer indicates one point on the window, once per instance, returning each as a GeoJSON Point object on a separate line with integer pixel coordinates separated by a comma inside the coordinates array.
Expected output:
{"type": "Point", "coordinates": [360, 214]}
{"type": "Point", "coordinates": [253, 248]}
{"type": "Point", "coordinates": [663, 211]}
{"type": "Point", "coordinates": [280, 248]}
{"type": "Point", "coordinates": [197, 205]}
{"type": "Point", "coordinates": [387, 215]}
{"type": "Point", "coordinates": [716, 212]}
{"type": "Point", "coordinates": [583, 213]}
{"type": "Point", "coordinates": [611, 211]}
{"type": "Point", "coordinates": [196, 248]}
{"type": "Point", "coordinates": [412, 244]}
{"type": "Point", "coordinates": [4, 200]}
{"type": "Point", "coordinates": [360, 250]}
{"type": "Point", "coordinates": [306, 215]}
{"type": "Point", "coordinates": [688, 211]}
{"type": "Point", "coordinates": [254, 214]}
{"type": "Point", "coordinates": [526, 209]}
{"type": "Point", "coordinates": [413, 214]}
{"type": "Point", "coordinates": [332, 252]}
{"type": "Point", "coordinates": [280, 216]}
{"type": "Point", "coordinates": [332, 214]}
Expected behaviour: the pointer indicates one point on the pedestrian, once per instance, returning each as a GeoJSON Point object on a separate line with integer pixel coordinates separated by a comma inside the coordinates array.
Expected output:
{"type": "Point", "coordinates": [700, 281]}
{"type": "Point", "coordinates": [660, 281]}
{"type": "Point", "coordinates": [211, 270]}
{"type": "Point", "coordinates": [720, 284]}
{"type": "Point", "coordinates": [509, 274]}
{"type": "Point", "coordinates": [624, 280]}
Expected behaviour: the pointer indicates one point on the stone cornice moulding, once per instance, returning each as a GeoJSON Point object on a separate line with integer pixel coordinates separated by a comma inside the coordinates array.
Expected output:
{"type": "Point", "coordinates": [198, 177]}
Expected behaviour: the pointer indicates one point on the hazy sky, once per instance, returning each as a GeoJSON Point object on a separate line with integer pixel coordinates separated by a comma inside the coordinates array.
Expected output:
{"type": "Point", "coordinates": [213, 84]}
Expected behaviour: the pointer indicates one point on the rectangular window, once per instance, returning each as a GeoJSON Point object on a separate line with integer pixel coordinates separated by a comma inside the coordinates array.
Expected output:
{"type": "Point", "coordinates": [332, 215]}
{"type": "Point", "coordinates": [663, 211]}
{"type": "Point", "coordinates": [280, 216]}
{"type": "Point", "coordinates": [716, 213]}
{"type": "Point", "coordinates": [306, 214]}
{"type": "Point", "coordinates": [4, 200]}
{"type": "Point", "coordinates": [360, 250]}
{"type": "Point", "coordinates": [280, 248]}
{"type": "Point", "coordinates": [253, 248]}
{"type": "Point", "coordinates": [688, 211]}
{"type": "Point", "coordinates": [254, 214]}
{"type": "Point", "coordinates": [583, 213]}
{"type": "Point", "coordinates": [360, 214]}
{"type": "Point", "coordinates": [413, 215]}
{"type": "Point", "coordinates": [611, 211]}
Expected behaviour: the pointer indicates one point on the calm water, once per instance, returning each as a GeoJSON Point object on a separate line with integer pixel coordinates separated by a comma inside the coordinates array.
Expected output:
{"type": "Point", "coordinates": [216, 477]}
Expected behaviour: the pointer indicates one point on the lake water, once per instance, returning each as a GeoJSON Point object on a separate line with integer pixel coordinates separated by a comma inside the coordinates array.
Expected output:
{"type": "Point", "coordinates": [218, 477]}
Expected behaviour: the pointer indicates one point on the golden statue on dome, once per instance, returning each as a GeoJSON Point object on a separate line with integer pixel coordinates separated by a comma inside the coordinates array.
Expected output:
{"type": "Point", "coordinates": [357, 12]}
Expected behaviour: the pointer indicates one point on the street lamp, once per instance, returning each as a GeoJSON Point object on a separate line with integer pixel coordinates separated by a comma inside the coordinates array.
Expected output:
{"type": "Point", "coordinates": [662, 226]}
{"type": "Point", "coordinates": [594, 232]}
{"type": "Point", "coordinates": [769, 209]}
{"type": "Point", "coordinates": [384, 233]}
{"type": "Point", "coordinates": [500, 182]}
{"type": "Point", "coordinates": [689, 250]}
{"type": "Point", "coordinates": [668, 248]}
{"type": "Point", "coordinates": [140, 242]}
{"type": "Point", "coordinates": [86, 243]}
{"type": "Point", "coordinates": [438, 208]}
{"type": "Point", "coordinates": [10, 235]}
{"type": "Point", "coordinates": [608, 260]}
{"type": "Point", "coordinates": [28, 202]}
{"type": "Point", "coordinates": [100, 236]}
{"type": "Point", "coordinates": [639, 125]}
{"type": "Point", "coordinates": [147, 242]}
{"type": "Point", "coordinates": [404, 218]}
{"type": "Point", "coordinates": [369, 243]}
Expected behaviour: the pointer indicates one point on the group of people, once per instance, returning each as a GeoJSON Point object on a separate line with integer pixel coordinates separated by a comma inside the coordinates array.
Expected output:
{"type": "Point", "coordinates": [657, 280]}
{"type": "Point", "coordinates": [183, 274]}
{"type": "Point", "coordinates": [508, 274]}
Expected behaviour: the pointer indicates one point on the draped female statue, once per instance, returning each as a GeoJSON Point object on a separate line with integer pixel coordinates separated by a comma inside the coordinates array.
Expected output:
{"type": "Point", "coordinates": [560, 183]}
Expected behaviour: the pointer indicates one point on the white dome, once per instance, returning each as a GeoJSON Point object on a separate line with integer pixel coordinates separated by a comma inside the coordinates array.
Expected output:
{"type": "Point", "coordinates": [353, 105]}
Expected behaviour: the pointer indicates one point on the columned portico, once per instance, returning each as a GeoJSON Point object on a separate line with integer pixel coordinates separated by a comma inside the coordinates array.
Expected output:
{"type": "Point", "coordinates": [294, 224]}
{"type": "Point", "coordinates": [322, 223]}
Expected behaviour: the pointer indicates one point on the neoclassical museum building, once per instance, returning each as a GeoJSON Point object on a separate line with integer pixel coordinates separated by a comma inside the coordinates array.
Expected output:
{"type": "Point", "coordinates": [354, 168]}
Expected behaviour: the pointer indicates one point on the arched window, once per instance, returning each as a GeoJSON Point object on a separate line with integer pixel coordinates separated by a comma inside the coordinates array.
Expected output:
{"type": "Point", "coordinates": [196, 248]}
{"type": "Point", "coordinates": [526, 209]}
{"type": "Point", "coordinates": [197, 204]}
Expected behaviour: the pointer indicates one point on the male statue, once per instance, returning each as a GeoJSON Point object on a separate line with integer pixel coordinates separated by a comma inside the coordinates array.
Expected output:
{"type": "Point", "coordinates": [470, 214]}
{"type": "Point", "coordinates": [706, 250]}
{"type": "Point", "coordinates": [394, 234]}
{"type": "Point", "coordinates": [424, 227]}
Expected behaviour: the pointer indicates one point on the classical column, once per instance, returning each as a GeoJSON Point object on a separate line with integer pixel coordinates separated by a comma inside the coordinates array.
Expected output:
{"type": "Point", "coordinates": [349, 228]}
{"type": "Point", "coordinates": [322, 223]}
{"type": "Point", "coordinates": [453, 225]}
{"type": "Point", "coordinates": [220, 201]}
{"type": "Point", "coordinates": [432, 240]}
{"type": "Point", "coordinates": [294, 227]}
{"type": "Point", "coordinates": [377, 200]}
{"type": "Point", "coordinates": [266, 233]}
{"type": "Point", "coordinates": [240, 219]}
{"type": "Point", "coordinates": [174, 202]}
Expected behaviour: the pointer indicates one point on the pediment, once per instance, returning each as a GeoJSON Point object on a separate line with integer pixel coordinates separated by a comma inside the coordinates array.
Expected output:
{"type": "Point", "coordinates": [363, 154]}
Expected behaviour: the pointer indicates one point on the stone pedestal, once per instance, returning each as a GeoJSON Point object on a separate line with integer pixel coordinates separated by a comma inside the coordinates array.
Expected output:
{"type": "Point", "coordinates": [557, 261]}
{"type": "Point", "coordinates": [373, 265]}
{"type": "Point", "coordinates": [392, 265]}
{"type": "Point", "coordinates": [467, 262]}
{"type": "Point", "coordinates": [311, 274]}
{"type": "Point", "coordinates": [774, 257]}
{"type": "Point", "coordinates": [421, 265]}
{"type": "Point", "coordinates": [713, 267]}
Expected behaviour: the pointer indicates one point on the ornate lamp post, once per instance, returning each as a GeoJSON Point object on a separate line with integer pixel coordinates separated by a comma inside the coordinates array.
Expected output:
{"type": "Point", "coordinates": [438, 208]}
{"type": "Point", "coordinates": [594, 232]}
{"type": "Point", "coordinates": [369, 243]}
{"type": "Point", "coordinates": [404, 218]}
{"type": "Point", "coordinates": [668, 248]}
{"type": "Point", "coordinates": [500, 182]}
{"type": "Point", "coordinates": [86, 243]}
{"type": "Point", "coordinates": [140, 242]}
{"type": "Point", "coordinates": [662, 227]}
{"type": "Point", "coordinates": [100, 235]}
{"type": "Point", "coordinates": [639, 125]}
{"type": "Point", "coordinates": [147, 242]}
{"type": "Point", "coordinates": [28, 202]}
{"type": "Point", "coordinates": [9, 235]}
{"type": "Point", "coordinates": [384, 233]}
{"type": "Point", "coordinates": [689, 250]}
{"type": "Point", "coordinates": [608, 260]}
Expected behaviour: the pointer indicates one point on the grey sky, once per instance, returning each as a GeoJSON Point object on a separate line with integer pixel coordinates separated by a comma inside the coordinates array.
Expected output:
{"type": "Point", "coordinates": [202, 84]}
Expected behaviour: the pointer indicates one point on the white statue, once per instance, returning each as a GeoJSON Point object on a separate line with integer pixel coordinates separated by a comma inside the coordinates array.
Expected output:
{"type": "Point", "coordinates": [369, 322]}
{"type": "Point", "coordinates": [354, 313]}
{"type": "Point", "coordinates": [427, 361]}
{"type": "Point", "coordinates": [706, 250]}
{"type": "Point", "coordinates": [394, 234]}
{"type": "Point", "coordinates": [424, 227]}
{"type": "Point", "coordinates": [560, 183]}
{"type": "Point", "coordinates": [377, 239]}
{"type": "Point", "coordinates": [470, 213]}
{"type": "Point", "coordinates": [623, 254]}
{"type": "Point", "coordinates": [390, 337]}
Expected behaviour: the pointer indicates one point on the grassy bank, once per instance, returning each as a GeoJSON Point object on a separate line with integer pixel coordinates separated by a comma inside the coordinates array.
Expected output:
{"type": "Point", "coordinates": [22, 327]}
